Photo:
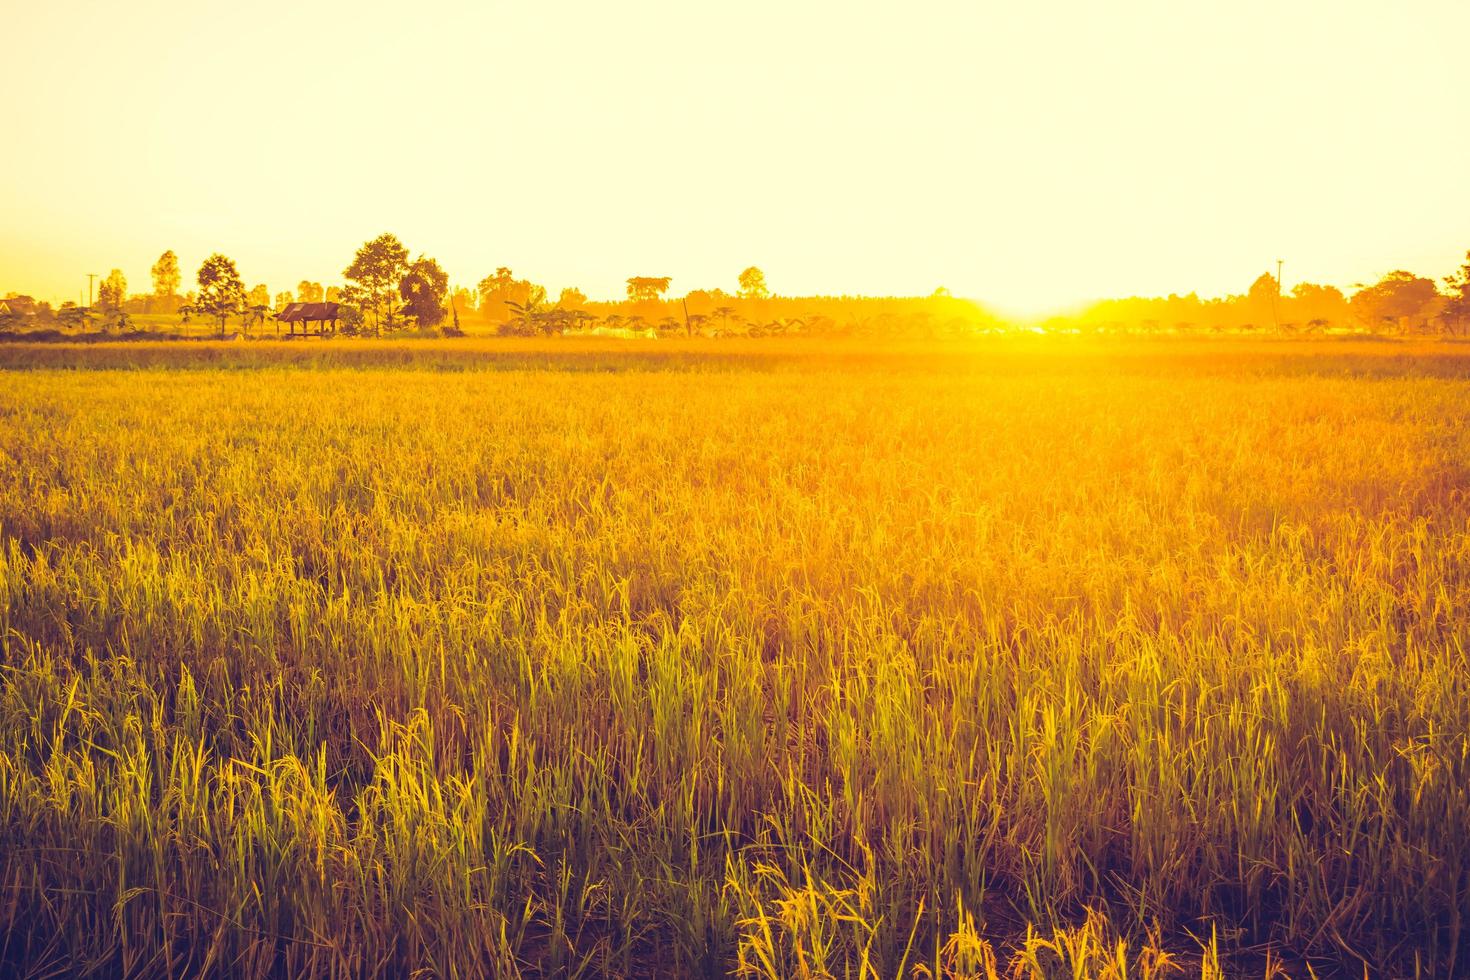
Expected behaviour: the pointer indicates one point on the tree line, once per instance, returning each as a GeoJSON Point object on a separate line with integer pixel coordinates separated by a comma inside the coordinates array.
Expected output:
{"type": "Point", "coordinates": [385, 291]}
{"type": "Point", "coordinates": [1399, 303]}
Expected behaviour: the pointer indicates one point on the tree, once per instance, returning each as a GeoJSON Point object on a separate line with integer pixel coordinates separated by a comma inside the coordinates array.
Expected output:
{"type": "Point", "coordinates": [753, 284]}
{"type": "Point", "coordinates": [643, 289]}
{"type": "Point", "coordinates": [571, 298]}
{"type": "Point", "coordinates": [1261, 300]}
{"type": "Point", "coordinates": [1397, 297]}
{"type": "Point", "coordinates": [502, 293]}
{"type": "Point", "coordinates": [1457, 305]}
{"type": "Point", "coordinates": [259, 296]}
{"type": "Point", "coordinates": [309, 292]}
{"type": "Point", "coordinates": [423, 289]}
{"type": "Point", "coordinates": [166, 278]}
{"type": "Point", "coordinates": [462, 299]}
{"type": "Point", "coordinates": [74, 316]}
{"type": "Point", "coordinates": [112, 292]}
{"type": "Point", "coordinates": [284, 300]}
{"type": "Point", "coordinates": [1310, 302]}
{"type": "Point", "coordinates": [376, 269]}
{"type": "Point", "coordinates": [350, 318]}
{"type": "Point", "coordinates": [221, 292]}
{"type": "Point", "coordinates": [527, 319]}
{"type": "Point", "coordinates": [705, 300]}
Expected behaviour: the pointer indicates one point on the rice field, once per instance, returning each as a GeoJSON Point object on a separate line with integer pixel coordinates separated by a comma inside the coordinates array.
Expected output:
{"type": "Point", "coordinates": [1016, 659]}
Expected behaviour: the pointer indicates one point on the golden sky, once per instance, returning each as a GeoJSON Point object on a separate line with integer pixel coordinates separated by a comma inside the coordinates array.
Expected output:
{"type": "Point", "coordinates": [1028, 154]}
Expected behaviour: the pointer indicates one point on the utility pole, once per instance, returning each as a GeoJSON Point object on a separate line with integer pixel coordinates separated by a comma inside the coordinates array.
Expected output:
{"type": "Point", "coordinates": [90, 277]}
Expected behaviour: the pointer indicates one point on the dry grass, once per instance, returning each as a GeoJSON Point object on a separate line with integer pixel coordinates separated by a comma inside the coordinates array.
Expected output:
{"type": "Point", "coordinates": [477, 660]}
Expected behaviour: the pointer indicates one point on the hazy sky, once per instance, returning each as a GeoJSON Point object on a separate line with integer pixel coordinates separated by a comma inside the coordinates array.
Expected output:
{"type": "Point", "coordinates": [1026, 153]}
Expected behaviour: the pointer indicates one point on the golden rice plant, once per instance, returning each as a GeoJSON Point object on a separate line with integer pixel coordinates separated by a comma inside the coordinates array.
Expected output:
{"type": "Point", "coordinates": [1010, 660]}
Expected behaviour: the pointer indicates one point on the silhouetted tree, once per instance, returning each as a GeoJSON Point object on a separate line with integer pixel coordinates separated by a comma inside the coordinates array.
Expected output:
{"type": "Point", "coordinates": [77, 317]}
{"type": "Point", "coordinates": [423, 288]}
{"type": "Point", "coordinates": [376, 269]}
{"type": "Point", "coordinates": [528, 318]}
{"type": "Point", "coordinates": [255, 313]}
{"type": "Point", "coordinates": [220, 290]}
{"type": "Point", "coordinates": [1397, 297]}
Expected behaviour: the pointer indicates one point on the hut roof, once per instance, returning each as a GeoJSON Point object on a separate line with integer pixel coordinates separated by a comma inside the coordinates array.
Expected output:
{"type": "Point", "coordinates": [297, 312]}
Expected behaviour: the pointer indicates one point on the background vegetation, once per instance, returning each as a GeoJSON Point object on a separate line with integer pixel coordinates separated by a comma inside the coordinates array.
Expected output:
{"type": "Point", "coordinates": [385, 293]}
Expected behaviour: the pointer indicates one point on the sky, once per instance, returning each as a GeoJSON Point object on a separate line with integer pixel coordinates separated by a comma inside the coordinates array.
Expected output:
{"type": "Point", "coordinates": [1028, 155]}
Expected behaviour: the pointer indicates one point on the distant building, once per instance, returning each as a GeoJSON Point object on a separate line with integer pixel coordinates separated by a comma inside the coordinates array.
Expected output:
{"type": "Point", "coordinates": [17, 306]}
{"type": "Point", "coordinates": [307, 314]}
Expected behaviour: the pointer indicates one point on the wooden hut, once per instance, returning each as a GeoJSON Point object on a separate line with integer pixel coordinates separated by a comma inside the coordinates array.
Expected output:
{"type": "Point", "coordinates": [323, 315]}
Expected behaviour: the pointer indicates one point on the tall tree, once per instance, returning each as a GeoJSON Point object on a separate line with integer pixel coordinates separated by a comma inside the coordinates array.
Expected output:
{"type": "Point", "coordinates": [112, 292]}
{"type": "Point", "coordinates": [1396, 298]}
{"type": "Point", "coordinates": [376, 269]}
{"type": "Point", "coordinates": [221, 293]}
{"type": "Point", "coordinates": [309, 292]}
{"type": "Point", "coordinates": [642, 289]}
{"type": "Point", "coordinates": [423, 289]}
{"type": "Point", "coordinates": [259, 296]}
{"type": "Point", "coordinates": [166, 278]}
{"type": "Point", "coordinates": [753, 284]}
